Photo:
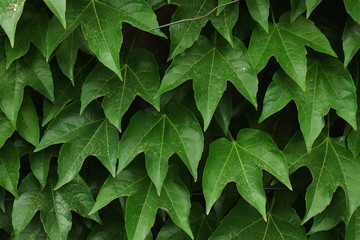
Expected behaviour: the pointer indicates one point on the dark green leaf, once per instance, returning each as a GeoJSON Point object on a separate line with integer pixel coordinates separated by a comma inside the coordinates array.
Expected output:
{"type": "Point", "coordinates": [351, 40]}
{"type": "Point", "coordinates": [113, 228]}
{"type": "Point", "coordinates": [259, 10]}
{"type": "Point", "coordinates": [6, 128]}
{"type": "Point", "coordinates": [33, 231]}
{"type": "Point", "coordinates": [297, 8]}
{"type": "Point", "coordinates": [58, 7]}
{"type": "Point", "coordinates": [9, 168]}
{"type": "Point", "coordinates": [310, 6]}
{"type": "Point", "coordinates": [353, 8]}
{"type": "Point", "coordinates": [10, 12]}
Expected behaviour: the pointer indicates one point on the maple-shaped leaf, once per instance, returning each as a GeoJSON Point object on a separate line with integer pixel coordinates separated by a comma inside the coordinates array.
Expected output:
{"type": "Point", "coordinates": [84, 135]}
{"type": "Point", "coordinates": [329, 85]}
{"type": "Point", "coordinates": [32, 70]}
{"type": "Point", "coordinates": [331, 166]}
{"type": "Point", "coordinates": [9, 168]}
{"type": "Point", "coordinates": [351, 40]}
{"type": "Point", "coordinates": [242, 161]}
{"type": "Point", "coordinates": [353, 8]}
{"type": "Point", "coordinates": [58, 7]}
{"type": "Point", "coordinates": [211, 67]}
{"type": "Point", "coordinates": [55, 206]}
{"type": "Point", "coordinates": [143, 202]}
{"type": "Point", "coordinates": [160, 135]}
{"type": "Point", "coordinates": [10, 13]}
{"type": "Point", "coordinates": [244, 222]}
{"type": "Point", "coordinates": [140, 77]}
{"type": "Point", "coordinates": [101, 23]}
{"type": "Point", "coordinates": [286, 41]}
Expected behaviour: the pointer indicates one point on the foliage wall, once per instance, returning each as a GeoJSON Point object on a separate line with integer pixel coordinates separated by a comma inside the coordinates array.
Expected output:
{"type": "Point", "coordinates": [240, 122]}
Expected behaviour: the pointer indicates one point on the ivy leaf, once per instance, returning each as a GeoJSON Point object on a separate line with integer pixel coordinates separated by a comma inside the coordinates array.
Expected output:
{"type": "Point", "coordinates": [353, 8]}
{"type": "Point", "coordinates": [329, 86]}
{"type": "Point", "coordinates": [10, 13]}
{"type": "Point", "coordinates": [326, 155]}
{"type": "Point", "coordinates": [54, 206]}
{"type": "Point", "coordinates": [259, 10]}
{"type": "Point", "coordinates": [297, 8]}
{"type": "Point", "coordinates": [83, 135]}
{"type": "Point", "coordinates": [160, 136]}
{"type": "Point", "coordinates": [286, 42]}
{"type": "Point", "coordinates": [351, 40]}
{"type": "Point", "coordinates": [6, 129]}
{"type": "Point", "coordinates": [58, 7]}
{"type": "Point", "coordinates": [143, 201]}
{"type": "Point", "coordinates": [140, 77]}
{"type": "Point", "coordinates": [244, 222]}
{"type": "Point", "coordinates": [310, 6]}
{"type": "Point", "coordinates": [241, 161]}
{"type": "Point", "coordinates": [32, 71]}
{"type": "Point", "coordinates": [9, 168]}
{"type": "Point", "coordinates": [211, 67]}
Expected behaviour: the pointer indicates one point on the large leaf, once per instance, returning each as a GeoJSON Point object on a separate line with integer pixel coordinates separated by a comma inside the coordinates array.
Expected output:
{"type": "Point", "coordinates": [9, 168]}
{"type": "Point", "coordinates": [331, 166]}
{"type": "Point", "coordinates": [351, 40]}
{"type": "Point", "coordinates": [353, 8]}
{"type": "Point", "coordinates": [241, 161]}
{"type": "Point", "coordinates": [140, 77]}
{"type": "Point", "coordinates": [286, 42]}
{"type": "Point", "coordinates": [54, 206]}
{"type": "Point", "coordinates": [30, 71]}
{"type": "Point", "coordinates": [244, 222]}
{"type": "Point", "coordinates": [84, 135]}
{"type": "Point", "coordinates": [211, 67]}
{"type": "Point", "coordinates": [160, 136]}
{"type": "Point", "coordinates": [10, 12]}
{"type": "Point", "coordinates": [329, 86]}
{"type": "Point", "coordinates": [143, 201]}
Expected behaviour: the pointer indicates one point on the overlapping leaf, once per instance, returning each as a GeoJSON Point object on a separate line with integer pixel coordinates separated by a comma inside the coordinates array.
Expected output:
{"type": "Point", "coordinates": [54, 206]}
{"type": "Point", "coordinates": [140, 77]}
{"type": "Point", "coordinates": [143, 201]}
{"type": "Point", "coordinates": [331, 166]}
{"type": "Point", "coordinates": [211, 67]}
{"type": "Point", "coordinates": [101, 25]}
{"type": "Point", "coordinates": [329, 85]}
{"type": "Point", "coordinates": [297, 8]}
{"type": "Point", "coordinates": [286, 41]}
{"type": "Point", "coordinates": [58, 7]}
{"type": "Point", "coordinates": [159, 136]}
{"type": "Point", "coordinates": [259, 10]}
{"type": "Point", "coordinates": [241, 161]}
{"type": "Point", "coordinates": [310, 6]}
{"type": "Point", "coordinates": [9, 168]}
{"type": "Point", "coordinates": [84, 135]}
{"type": "Point", "coordinates": [351, 40]}
{"type": "Point", "coordinates": [6, 129]}
{"type": "Point", "coordinates": [353, 8]}
{"type": "Point", "coordinates": [244, 222]}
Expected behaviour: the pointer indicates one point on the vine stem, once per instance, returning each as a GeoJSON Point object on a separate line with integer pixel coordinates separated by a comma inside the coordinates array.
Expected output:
{"type": "Point", "coordinates": [195, 18]}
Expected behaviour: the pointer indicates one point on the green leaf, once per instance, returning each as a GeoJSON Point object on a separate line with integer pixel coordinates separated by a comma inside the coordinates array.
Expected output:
{"type": "Point", "coordinates": [331, 166]}
{"type": "Point", "coordinates": [84, 135]}
{"type": "Point", "coordinates": [185, 34]}
{"type": "Point", "coordinates": [140, 78]}
{"type": "Point", "coordinates": [329, 86]}
{"type": "Point", "coordinates": [54, 206]}
{"type": "Point", "coordinates": [353, 8]}
{"type": "Point", "coordinates": [310, 6]}
{"type": "Point", "coordinates": [351, 40]}
{"type": "Point", "coordinates": [244, 222]}
{"type": "Point", "coordinates": [241, 161]}
{"type": "Point", "coordinates": [28, 123]}
{"type": "Point", "coordinates": [10, 12]}
{"type": "Point", "coordinates": [33, 231]}
{"type": "Point", "coordinates": [6, 129]}
{"type": "Point", "coordinates": [58, 7]}
{"type": "Point", "coordinates": [159, 136]}
{"type": "Point", "coordinates": [31, 29]}
{"type": "Point", "coordinates": [353, 228]}
{"type": "Point", "coordinates": [143, 201]}
{"type": "Point", "coordinates": [286, 42]}
{"type": "Point", "coordinates": [223, 113]}
{"type": "Point", "coordinates": [113, 228]}
{"type": "Point", "coordinates": [211, 67]}
{"type": "Point", "coordinates": [297, 8]}
{"type": "Point", "coordinates": [259, 10]}
{"type": "Point", "coordinates": [9, 168]}
{"type": "Point", "coordinates": [30, 71]}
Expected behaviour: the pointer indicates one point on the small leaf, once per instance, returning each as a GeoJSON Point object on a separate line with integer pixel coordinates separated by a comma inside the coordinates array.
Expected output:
{"type": "Point", "coordinates": [140, 78]}
{"type": "Point", "coordinates": [327, 154]}
{"type": "Point", "coordinates": [241, 161]}
{"type": "Point", "coordinates": [143, 201]}
{"type": "Point", "coordinates": [351, 40]}
{"type": "Point", "coordinates": [83, 135]}
{"type": "Point", "coordinates": [113, 228]}
{"type": "Point", "coordinates": [328, 83]}
{"type": "Point", "coordinates": [160, 136]}
{"type": "Point", "coordinates": [259, 10]}
{"type": "Point", "coordinates": [353, 8]}
{"type": "Point", "coordinates": [297, 8]}
{"type": "Point", "coordinates": [244, 222]}
{"type": "Point", "coordinates": [211, 67]}
{"type": "Point", "coordinates": [54, 206]}
{"type": "Point", "coordinates": [224, 112]}
{"type": "Point", "coordinates": [10, 12]}
{"type": "Point", "coordinates": [310, 6]}
{"type": "Point", "coordinates": [6, 129]}
{"type": "Point", "coordinates": [58, 7]}
{"type": "Point", "coordinates": [9, 168]}
{"type": "Point", "coordinates": [286, 42]}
